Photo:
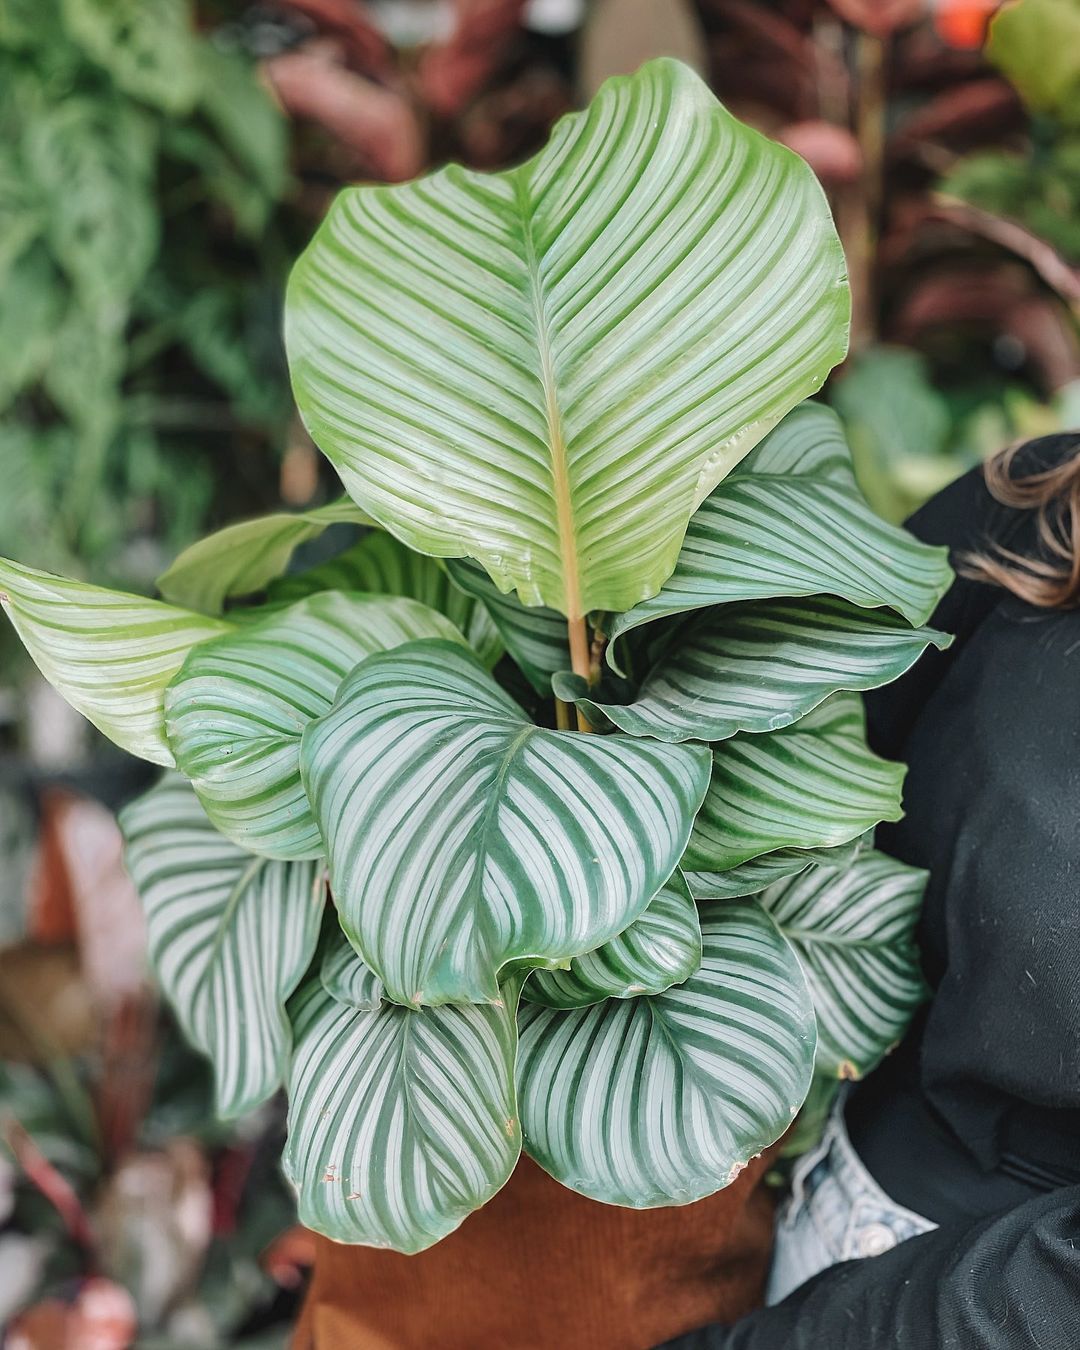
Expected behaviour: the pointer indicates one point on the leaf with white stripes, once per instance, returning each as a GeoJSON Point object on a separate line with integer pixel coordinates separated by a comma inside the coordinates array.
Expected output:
{"type": "Point", "coordinates": [548, 369]}
{"type": "Point", "coordinates": [854, 932]}
{"type": "Point", "coordinates": [751, 877]}
{"type": "Point", "coordinates": [108, 653]}
{"type": "Point", "coordinates": [663, 1100]}
{"type": "Point", "coordinates": [401, 1121]}
{"type": "Point", "coordinates": [658, 950]}
{"type": "Point", "coordinates": [230, 937]}
{"type": "Point", "coordinates": [382, 564]}
{"type": "Point", "coordinates": [788, 521]}
{"type": "Point", "coordinates": [534, 635]}
{"type": "Point", "coordinates": [462, 838]}
{"type": "Point", "coordinates": [242, 558]}
{"type": "Point", "coordinates": [236, 711]}
{"type": "Point", "coordinates": [758, 667]}
{"type": "Point", "coordinates": [813, 784]}
{"type": "Point", "coordinates": [347, 978]}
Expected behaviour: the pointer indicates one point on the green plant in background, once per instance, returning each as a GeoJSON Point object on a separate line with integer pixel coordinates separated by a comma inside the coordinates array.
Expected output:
{"type": "Point", "coordinates": [567, 401]}
{"type": "Point", "coordinates": [139, 168]}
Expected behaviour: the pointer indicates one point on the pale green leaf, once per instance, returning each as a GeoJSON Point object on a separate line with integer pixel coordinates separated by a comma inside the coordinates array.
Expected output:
{"type": "Point", "coordinates": [853, 930]}
{"type": "Point", "coordinates": [663, 1100]}
{"type": "Point", "coordinates": [147, 47]}
{"type": "Point", "coordinates": [813, 784]}
{"type": "Point", "coordinates": [241, 559]}
{"type": "Point", "coordinates": [462, 838]}
{"type": "Point", "coordinates": [658, 950]}
{"type": "Point", "coordinates": [751, 877]}
{"type": "Point", "coordinates": [790, 521]}
{"type": "Point", "coordinates": [1036, 45]}
{"type": "Point", "coordinates": [401, 1121]}
{"type": "Point", "coordinates": [548, 369]}
{"type": "Point", "coordinates": [348, 979]}
{"type": "Point", "coordinates": [235, 713]}
{"type": "Point", "coordinates": [534, 636]}
{"type": "Point", "coordinates": [758, 667]}
{"type": "Point", "coordinates": [379, 562]}
{"type": "Point", "coordinates": [230, 937]}
{"type": "Point", "coordinates": [109, 654]}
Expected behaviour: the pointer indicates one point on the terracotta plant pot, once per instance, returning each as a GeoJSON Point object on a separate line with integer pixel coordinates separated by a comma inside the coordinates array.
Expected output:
{"type": "Point", "coordinates": [540, 1266]}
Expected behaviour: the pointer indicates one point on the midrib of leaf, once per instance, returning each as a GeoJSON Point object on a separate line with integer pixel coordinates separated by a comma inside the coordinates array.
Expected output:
{"type": "Point", "coordinates": [564, 506]}
{"type": "Point", "coordinates": [236, 894]}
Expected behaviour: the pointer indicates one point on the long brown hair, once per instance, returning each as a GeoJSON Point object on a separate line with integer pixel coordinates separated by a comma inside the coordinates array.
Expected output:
{"type": "Point", "coordinates": [1051, 581]}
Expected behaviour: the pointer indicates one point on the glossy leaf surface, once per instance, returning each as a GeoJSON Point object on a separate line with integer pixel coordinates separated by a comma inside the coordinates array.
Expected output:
{"type": "Point", "coordinates": [548, 369]}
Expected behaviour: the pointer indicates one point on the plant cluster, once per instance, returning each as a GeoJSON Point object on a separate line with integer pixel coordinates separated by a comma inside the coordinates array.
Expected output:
{"type": "Point", "coordinates": [567, 404]}
{"type": "Point", "coordinates": [140, 164]}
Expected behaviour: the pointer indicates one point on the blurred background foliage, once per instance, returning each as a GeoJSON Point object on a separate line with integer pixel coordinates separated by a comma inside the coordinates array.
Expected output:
{"type": "Point", "coordinates": [161, 163]}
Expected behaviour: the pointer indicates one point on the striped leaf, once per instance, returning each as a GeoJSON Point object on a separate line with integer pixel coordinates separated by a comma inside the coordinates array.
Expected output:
{"type": "Point", "coordinates": [348, 979]}
{"type": "Point", "coordinates": [813, 784]}
{"type": "Point", "coordinates": [663, 1100]}
{"type": "Point", "coordinates": [853, 930]}
{"type": "Point", "coordinates": [462, 838]}
{"type": "Point", "coordinates": [379, 563]}
{"type": "Point", "coordinates": [791, 521]}
{"type": "Point", "coordinates": [230, 937]}
{"type": "Point", "coordinates": [758, 667]}
{"type": "Point", "coordinates": [533, 635]}
{"type": "Point", "coordinates": [401, 1121]}
{"type": "Point", "coordinates": [751, 877]}
{"type": "Point", "coordinates": [658, 950]}
{"type": "Point", "coordinates": [109, 654]}
{"type": "Point", "coordinates": [241, 559]}
{"type": "Point", "coordinates": [236, 711]}
{"type": "Point", "coordinates": [548, 369]}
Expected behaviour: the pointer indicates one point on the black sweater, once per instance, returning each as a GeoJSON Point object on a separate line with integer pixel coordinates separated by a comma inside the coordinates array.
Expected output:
{"type": "Point", "coordinates": [975, 1121]}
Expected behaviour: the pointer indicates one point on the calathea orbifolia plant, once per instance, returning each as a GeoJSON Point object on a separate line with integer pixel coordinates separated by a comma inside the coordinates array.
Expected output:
{"type": "Point", "coordinates": [532, 820]}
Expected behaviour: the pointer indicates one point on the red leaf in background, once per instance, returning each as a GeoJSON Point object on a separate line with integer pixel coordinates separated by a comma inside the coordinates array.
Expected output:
{"type": "Point", "coordinates": [103, 1317]}
{"type": "Point", "coordinates": [880, 17]}
{"type": "Point", "coordinates": [289, 1256]}
{"type": "Point", "coordinates": [963, 23]}
{"type": "Point", "coordinates": [831, 151]}
{"type": "Point", "coordinates": [452, 73]}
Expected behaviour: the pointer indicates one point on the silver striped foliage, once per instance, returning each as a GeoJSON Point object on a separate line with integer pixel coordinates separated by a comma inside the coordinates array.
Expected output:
{"type": "Point", "coordinates": [548, 369]}
{"type": "Point", "coordinates": [382, 564]}
{"type": "Point", "coordinates": [789, 521]}
{"type": "Point", "coordinates": [534, 635]}
{"type": "Point", "coordinates": [230, 937]}
{"type": "Point", "coordinates": [242, 558]}
{"type": "Point", "coordinates": [758, 667]}
{"type": "Point", "coordinates": [853, 929]}
{"type": "Point", "coordinates": [661, 948]}
{"type": "Point", "coordinates": [401, 1121]}
{"type": "Point", "coordinates": [461, 837]}
{"type": "Point", "coordinates": [663, 1100]}
{"type": "Point", "coordinates": [813, 784]}
{"type": "Point", "coordinates": [235, 712]}
{"type": "Point", "coordinates": [108, 653]}
{"type": "Point", "coordinates": [349, 979]}
{"type": "Point", "coordinates": [751, 877]}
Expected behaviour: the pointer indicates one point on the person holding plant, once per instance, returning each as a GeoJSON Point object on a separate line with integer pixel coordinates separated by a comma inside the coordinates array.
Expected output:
{"type": "Point", "coordinates": [957, 1164]}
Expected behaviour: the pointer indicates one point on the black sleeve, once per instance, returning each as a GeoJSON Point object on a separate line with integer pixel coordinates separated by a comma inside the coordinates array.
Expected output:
{"type": "Point", "coordinates": [1011, 1282]}
{"type": "Point", "coordinates": [964, 518]}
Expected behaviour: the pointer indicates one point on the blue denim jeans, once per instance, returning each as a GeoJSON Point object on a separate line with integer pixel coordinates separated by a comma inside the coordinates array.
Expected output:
{"type": "Point", "coordinates": [836, 1212]}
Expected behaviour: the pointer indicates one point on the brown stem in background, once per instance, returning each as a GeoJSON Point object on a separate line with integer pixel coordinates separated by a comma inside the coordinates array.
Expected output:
{"type": "Point", "coordinates": [578, 632]}
{"type": "Point", "coordinates": [860, 209]}
{"type": "Point", "coordinates": [44, 1177]}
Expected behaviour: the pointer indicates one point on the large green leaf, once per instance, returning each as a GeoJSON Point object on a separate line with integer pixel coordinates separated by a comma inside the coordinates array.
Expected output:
{"type": "Point", "coordinates": [230, 937]}
{"type": "Point", "coordinates": [110, 654]}
{"type": "Point", "coordinates": [379, 562]}
{"type": "Point", "coordinates": [461, 837]}
{"type": "Point", "coordinates": [853, 930]}
{"type": "Point", "coordinates": [235, 713]}
{"type": "Point", "coordinates": [751, 877]}
{"type": "Point", "coordinates": [548, 369]}
{"type": "Point", "coordinates": [758, 667]}
{"type": "Point", "coordinates": [241, 559]}
{"type": "Point", "coordinates": [534, 635]}
{"type": "Point", "coordinates": [813, 784]}
{"type": "Point", "coordinates": [790, 521]}
{"type": "Point", "coordinates": [401, 1121]}
{"type": "Point", "coordinates": [663, 1100]}
{"type": "Point", "coordinates": [658, 950]}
